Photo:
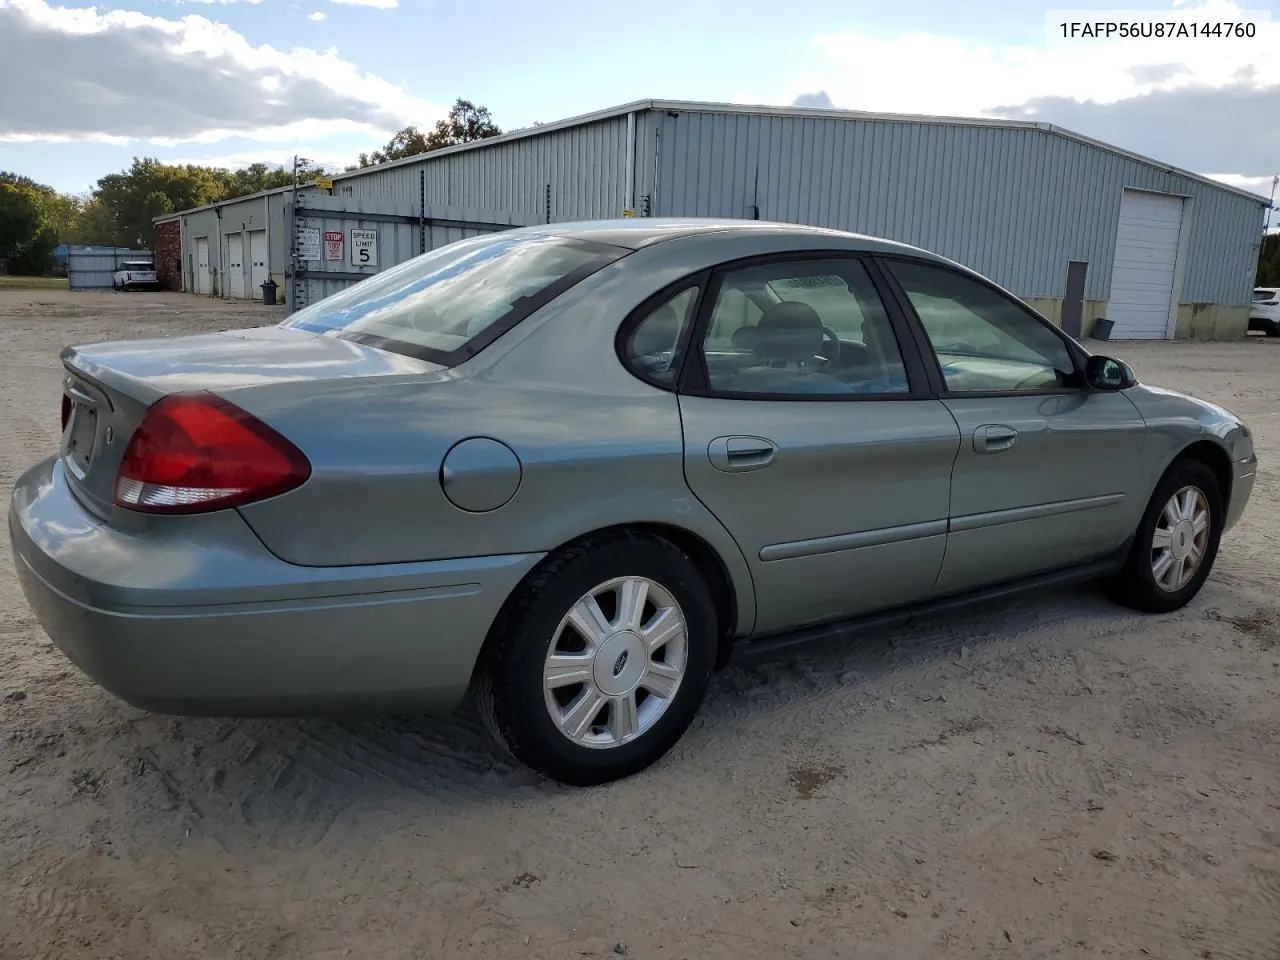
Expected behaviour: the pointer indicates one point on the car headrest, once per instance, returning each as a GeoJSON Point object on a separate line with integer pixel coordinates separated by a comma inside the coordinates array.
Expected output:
{"type": "Point", "coordinates": [790, 331]}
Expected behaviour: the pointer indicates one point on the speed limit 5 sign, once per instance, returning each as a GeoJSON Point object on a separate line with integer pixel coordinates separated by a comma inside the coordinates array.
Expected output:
{"type": "Point", "coordinates": [364, 248]}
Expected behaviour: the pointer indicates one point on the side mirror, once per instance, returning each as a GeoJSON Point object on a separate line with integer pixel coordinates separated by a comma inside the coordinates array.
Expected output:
{"type": "Point", "coordinates": [1107, 373]}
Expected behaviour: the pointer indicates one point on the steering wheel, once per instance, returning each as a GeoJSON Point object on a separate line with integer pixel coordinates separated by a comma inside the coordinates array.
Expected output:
{"type": "Point", "coordinates": [829, 337]}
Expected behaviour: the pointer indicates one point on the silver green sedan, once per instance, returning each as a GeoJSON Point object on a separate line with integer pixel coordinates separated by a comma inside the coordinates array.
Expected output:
{"type": "Point", "coordinates": [573, 468]}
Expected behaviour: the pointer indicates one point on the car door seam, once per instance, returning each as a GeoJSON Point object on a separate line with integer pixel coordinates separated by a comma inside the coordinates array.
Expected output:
{"type": "Point", "coordinates": [744, 628]}
{"type": "Point", "coordinates": [951, 488]}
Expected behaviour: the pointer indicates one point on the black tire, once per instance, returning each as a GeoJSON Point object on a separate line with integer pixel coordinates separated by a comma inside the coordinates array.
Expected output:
{"type": "Point", "coordinates": [1274, 329]}
{"type": "Point", "coordinates": [509, 689]}
{"type": "Point", "coordinates": [1135, 586]}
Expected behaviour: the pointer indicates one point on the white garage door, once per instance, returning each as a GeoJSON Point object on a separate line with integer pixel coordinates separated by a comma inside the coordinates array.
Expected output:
{"type": "Point", "coordinates": [235, 265]}
{"type": "Point", "coordinates": [1146, 258]}
{"type": "Point", "coordinates": [202, 265]}
{"type": "Point", "coordinates": [258, 261]}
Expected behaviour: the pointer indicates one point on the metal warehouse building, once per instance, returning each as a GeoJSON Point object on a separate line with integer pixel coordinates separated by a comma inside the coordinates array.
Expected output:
{"type": "Point", "coordinates": [1051, 215]}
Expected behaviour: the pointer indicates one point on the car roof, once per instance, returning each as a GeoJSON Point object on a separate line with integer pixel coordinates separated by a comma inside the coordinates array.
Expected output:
{"type": "Point", "coordinates": [637, 232]}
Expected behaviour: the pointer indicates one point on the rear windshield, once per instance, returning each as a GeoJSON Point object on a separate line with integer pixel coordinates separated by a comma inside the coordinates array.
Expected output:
{"type": "Point", "coordinates": [1262, 293]}
{"type": "Point", "coordinates": [447, 305]}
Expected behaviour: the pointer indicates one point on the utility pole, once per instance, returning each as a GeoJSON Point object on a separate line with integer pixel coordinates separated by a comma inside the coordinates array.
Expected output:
{"type": "Point", "coordinates": [1267, 226]}
{"type": "Point", "coordinates": [294, 262]}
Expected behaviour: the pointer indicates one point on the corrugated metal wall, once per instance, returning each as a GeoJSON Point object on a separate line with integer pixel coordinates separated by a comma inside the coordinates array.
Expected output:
{"type": "Point", "coordinates": [93, 268]}
{"type": "Point", "coordinates": [257, 213]}
{"type": "Point", "coordinates": [1015, 204]}
{"type": "Point", "coordinates": [584, 166]}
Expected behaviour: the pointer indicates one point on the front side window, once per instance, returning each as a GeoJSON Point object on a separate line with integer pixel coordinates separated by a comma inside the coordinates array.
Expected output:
{"type": "Point", "coordinates": [984, 341]}
{"type": "Point", "coordinates": [447, 305]}
{"type": "Point", "coordinates": [802, 327]}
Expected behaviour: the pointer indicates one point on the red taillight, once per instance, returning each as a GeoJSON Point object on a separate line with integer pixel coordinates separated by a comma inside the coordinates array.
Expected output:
{"type": "Point", "coordinates": [66, 411]}
{"type": "Point", "coordinates": [197, 452]}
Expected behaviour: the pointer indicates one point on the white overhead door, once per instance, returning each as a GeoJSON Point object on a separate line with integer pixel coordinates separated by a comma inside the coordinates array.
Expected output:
{"type": "Point", "coordinates": [235, 265]}
{"type": "Point", "coordinates": [202, 265]}
{"type": "Point", "coordinates": [258, 262]}
{"type": "Point", "coordinates": [1146, 260]}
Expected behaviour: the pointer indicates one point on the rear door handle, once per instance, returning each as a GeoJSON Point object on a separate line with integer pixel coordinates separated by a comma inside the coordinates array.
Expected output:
{"type": "Point", "coordinates": [994, 438]}
{"type": "Point", "coordinates": [740, 454]}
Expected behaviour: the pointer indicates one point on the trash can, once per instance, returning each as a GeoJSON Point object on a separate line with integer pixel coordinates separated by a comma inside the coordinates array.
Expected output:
{"type": "Point", "coordinates": [1102, 329]}
{"type": "Point", "coordinates": [269, 293]}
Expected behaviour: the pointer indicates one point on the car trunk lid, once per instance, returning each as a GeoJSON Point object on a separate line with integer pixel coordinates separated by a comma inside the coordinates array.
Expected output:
{"type": "Point", "coordinates": [108, 387]}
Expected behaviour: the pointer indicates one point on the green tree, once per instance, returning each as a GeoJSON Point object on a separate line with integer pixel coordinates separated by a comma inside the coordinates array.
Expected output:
{"type": "Point", "coordinates": [465, 122]}
{"type": "Point", "coordinates": [258, 177]}
{"type": "Point", "coordinates": [95, 225]}
{"type": "Point", "coordinates": [149, 188]}
{"type": "Point", "coordinates": [120, 210]}
{"type": "Point", "coordinates": [27, 235]}
{"type": "Point", "coordinates": [1269, 261]}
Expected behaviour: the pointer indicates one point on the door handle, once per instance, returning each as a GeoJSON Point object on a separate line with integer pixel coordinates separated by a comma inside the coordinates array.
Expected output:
{"type": "Point", "coordinates": [740, 454]}
{"type": "Point", "coordinates": [994, 438]}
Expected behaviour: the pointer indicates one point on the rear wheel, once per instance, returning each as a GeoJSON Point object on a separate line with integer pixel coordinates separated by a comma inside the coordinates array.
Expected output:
{"type": "Point", "coordinates": [1176, 543]}
{"type": "Point", "coordinates": [601, 662]}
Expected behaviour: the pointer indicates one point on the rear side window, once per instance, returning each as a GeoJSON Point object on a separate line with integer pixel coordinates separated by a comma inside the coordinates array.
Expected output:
{"type": "Point", "coordinates": [652, 349]}
{"type": "Point", "coordinates": [447, 305]}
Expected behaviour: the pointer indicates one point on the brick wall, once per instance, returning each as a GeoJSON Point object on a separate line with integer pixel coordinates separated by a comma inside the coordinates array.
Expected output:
{"type": "Point", "coordinates": [168, 254]}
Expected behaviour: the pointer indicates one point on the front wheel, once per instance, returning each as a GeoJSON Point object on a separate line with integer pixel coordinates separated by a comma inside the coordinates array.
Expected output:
{"type": "Point", "coordinates": [1176, 543]}
{"type": "Point", "coordinates": [601, 661]}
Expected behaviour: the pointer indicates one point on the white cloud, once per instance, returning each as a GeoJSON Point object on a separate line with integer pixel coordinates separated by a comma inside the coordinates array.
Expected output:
{"type": "Point", "coordinates": [380, 4]}
{"type": "Point", "coordinates": [1258, 185]}
{"type": "Point", "coordinates": [921, 72]}
{"type": "Point", "coordinates": [273, 158]}
{"type": "Point", "coordinates": [123, 74]}
{"type": "Point", "coordinates": [317, 15]}
{"type": "Point", "coordinates": [1125, 91]}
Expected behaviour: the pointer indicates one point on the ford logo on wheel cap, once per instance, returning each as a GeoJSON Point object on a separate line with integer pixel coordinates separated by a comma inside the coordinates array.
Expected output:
{"type": "Point", "coordinates": [620, 663]}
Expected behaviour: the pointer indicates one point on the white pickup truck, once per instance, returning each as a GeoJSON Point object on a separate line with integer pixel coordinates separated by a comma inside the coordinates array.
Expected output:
{"type": "Point", "coordinates": [135, 273]}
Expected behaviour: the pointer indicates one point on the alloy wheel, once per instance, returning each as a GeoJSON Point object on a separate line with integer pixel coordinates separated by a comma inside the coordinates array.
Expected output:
{"type": "Point", "coordinates": [615, 662]}
{"type": "Point", "coordinates": [1180, 539]}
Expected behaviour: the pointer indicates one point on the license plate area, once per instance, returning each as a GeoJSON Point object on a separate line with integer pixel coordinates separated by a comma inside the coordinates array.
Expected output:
{"type": "Point", "coordinates": [82, 435]}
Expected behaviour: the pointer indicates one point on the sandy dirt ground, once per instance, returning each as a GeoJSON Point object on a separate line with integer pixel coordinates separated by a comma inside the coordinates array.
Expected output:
{"type": "Point", "coordinates": [1053, 777]}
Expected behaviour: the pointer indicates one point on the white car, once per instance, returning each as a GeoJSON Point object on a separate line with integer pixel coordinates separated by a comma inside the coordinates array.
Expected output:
{"type": "Point", "coordinates": [1264, 314]}
{"type": "Point", "coordinates": [135, 273]}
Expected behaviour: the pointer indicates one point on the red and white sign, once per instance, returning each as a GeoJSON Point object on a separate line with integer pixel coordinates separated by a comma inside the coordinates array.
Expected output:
{"type": "Point", "coordinates": [333, 244]}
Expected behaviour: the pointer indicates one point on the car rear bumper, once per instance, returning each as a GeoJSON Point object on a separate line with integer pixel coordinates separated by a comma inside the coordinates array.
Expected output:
{"type": "Point", "coordinates": [197, 617]}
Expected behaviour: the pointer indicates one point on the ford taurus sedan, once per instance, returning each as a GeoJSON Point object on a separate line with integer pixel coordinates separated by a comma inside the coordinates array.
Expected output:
{"type": "Point", "coordinates": [571, 468]}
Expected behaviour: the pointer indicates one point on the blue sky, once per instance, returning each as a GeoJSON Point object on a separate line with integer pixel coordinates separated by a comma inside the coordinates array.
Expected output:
{"type": "Point", "coordinates": [232, 81]}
